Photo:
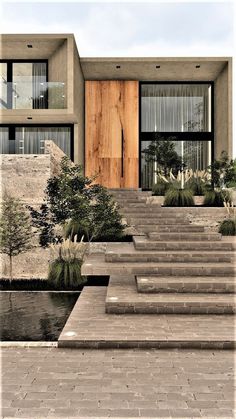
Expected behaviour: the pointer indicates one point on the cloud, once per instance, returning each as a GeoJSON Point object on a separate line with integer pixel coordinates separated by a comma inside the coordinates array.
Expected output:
{"type": "Point", "coordinates": [130, 29]}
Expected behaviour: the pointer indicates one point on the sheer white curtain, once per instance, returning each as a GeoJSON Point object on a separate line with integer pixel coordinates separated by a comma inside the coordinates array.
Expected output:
{"type": "Point", "coordinates": [31, 140]}
{"type": "Point", "coordinates": [175, 107]}
{"type": "Point", "coordinates": [39, 71]}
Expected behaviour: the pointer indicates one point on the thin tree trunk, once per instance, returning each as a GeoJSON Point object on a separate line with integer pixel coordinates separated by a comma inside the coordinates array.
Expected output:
{"type": "Point", "coordinates": [11, 276]}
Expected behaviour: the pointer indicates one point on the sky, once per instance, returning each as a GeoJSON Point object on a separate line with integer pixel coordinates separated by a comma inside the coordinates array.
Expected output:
{"type": "Point", "coordinates": [129, 29]}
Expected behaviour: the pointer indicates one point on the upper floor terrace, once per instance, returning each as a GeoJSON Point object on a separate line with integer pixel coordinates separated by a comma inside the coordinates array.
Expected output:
{"type": "Point", "coordinates": [38, 79]}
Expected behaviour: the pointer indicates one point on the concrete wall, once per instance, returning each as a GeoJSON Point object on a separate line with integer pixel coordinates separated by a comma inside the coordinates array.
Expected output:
{"type": "Point", "coordinates": [223, 111]}
{"type": "Point", "coordinates": [79, 98]}
{"type": "Point", "coordinates": [57, 68]}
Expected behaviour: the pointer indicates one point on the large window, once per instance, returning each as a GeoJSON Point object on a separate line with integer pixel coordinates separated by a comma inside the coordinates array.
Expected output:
{"type": "Point", "coordinates": [181, 113]}
{"type": "Point", "coordinates": [24, 85]}
{"type": "Point", "coordinates": [196, 155]}
{"type": "Point", "coordinates": [31, 139]}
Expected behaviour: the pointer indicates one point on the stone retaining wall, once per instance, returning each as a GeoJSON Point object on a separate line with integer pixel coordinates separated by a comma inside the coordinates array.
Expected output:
{"type": "Point", "coordinates": [25, 176]}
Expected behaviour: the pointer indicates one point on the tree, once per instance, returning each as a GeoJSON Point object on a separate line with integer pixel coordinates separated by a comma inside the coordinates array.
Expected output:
{"type": "Point", "coordinates": [79, 206]}
{"type": "Point", "coordinates": [162, 152]}
{"type": "Point", "coordinates": [15, 229]}
{"type": "Point", "coordinates": [223, 171]}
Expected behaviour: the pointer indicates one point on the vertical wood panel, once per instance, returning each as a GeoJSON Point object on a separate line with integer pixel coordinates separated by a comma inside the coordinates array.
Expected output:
{"type": "Point", "coordinates": [111, 106]}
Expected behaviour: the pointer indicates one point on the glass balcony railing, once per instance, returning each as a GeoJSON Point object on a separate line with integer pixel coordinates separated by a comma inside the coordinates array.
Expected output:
{"type": "Point", "coordinates": [32, 95]}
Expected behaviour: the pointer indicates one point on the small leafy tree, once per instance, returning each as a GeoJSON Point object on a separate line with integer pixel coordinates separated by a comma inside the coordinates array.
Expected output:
{"type": "Point", "coordinates": [15, 229]}
{"type": "Point", "coordinates": [223, 171]}
{"type": "Point", "coordinates": [79, 206]}
{"type": "Point", "coordinates": [162, 152]}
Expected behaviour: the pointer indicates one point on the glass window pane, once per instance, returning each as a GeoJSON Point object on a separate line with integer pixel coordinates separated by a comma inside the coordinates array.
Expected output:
{"type": "Point", "coordinates": [195, 155]}
{"type": "Point", "coordinates": [28, 89]}
{"type": "Point", "coordinates": [3, 85]}
{"type": "Point", "coordinates": [30, 140]}
{"type": "Point", "coordinates": [176, 107]}
{"type": "Point", "coordinates": [4, 140]}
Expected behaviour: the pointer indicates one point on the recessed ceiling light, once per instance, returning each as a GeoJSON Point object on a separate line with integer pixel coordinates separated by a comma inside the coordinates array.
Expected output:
{"type": "Point", "coordinates": [158, 66]}
{"type": "Point", "coordinates": [198, 66]}
{"type": "Point", "coordinates": [117, 66]}
{"type": "Point", "coordinates": [29, 46]}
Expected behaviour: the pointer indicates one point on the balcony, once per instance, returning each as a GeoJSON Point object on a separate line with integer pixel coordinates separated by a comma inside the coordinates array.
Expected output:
{"type": "Point", "coordinates": [32, 95]}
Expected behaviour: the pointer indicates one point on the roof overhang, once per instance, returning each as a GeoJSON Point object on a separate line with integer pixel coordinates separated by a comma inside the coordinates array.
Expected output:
{"type": "Point", "coordinates": [154, 69]}
{"type": "Point", "coordinates": [43, 46]}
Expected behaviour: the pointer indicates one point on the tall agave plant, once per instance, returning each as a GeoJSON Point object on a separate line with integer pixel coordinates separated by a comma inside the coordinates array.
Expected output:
{"type": "Point", "coordinates": [65, 269]}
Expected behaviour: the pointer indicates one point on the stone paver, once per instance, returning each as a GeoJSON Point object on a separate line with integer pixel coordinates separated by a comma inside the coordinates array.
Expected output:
{"type": "Point", "coordinates": [54, 383]}
{"type": "Point", "coordinates": [89, 326]}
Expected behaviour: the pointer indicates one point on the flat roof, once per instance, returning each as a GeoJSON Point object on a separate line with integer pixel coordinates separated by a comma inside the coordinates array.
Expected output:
{"type": "Point", "coordinates": [154, 68]}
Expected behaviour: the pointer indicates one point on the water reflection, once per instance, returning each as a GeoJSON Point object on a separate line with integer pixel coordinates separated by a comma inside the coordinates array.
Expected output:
{"type": "Point", "coordinates": [34, 316]}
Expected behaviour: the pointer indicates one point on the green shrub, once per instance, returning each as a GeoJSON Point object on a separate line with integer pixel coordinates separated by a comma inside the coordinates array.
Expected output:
{"type": "Point", "coordinates": [228, 227]}
{"type": "Point", "coordinates": [214, 198]}
{"type": "Point", "coordinates": [160, 188]}
{"type": "Point", "coordinates": [175, 197]}
{"type": "Point", "coordinates": [111, 231]}
{"type": "Point", "coordinates": [65, 270]}
{"type": "Point", "coordinates": [197, 185]}
{"type": "Point", "coordinates": [66, 274]}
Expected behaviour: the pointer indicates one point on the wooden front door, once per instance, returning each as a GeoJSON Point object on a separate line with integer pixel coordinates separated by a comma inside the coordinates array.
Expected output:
{"type": "Point", "coordinates": [111, 132]}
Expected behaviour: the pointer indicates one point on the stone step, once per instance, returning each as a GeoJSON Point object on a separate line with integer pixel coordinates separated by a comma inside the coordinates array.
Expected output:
{"type": "Point", "coordinates": [122, 297]}
{"type": "Point", "coordinates": [201, 284]}
{"type": "Point", "coordinates": [184, 236]}
{"type": "Point", "coordinates": [137, 209]}
{"type": "Point", "coordinates": [88, 326]}
{"type": "Point", "coordinates": [169, 257]}
{"type": "Point", "coordinates": [157, 221]}
{"type": "Point", "coordinates": [142, 243]}
{"type": "Point", "coordinates": [179, 228]}
{"type": "Point", "coordinates": [142, 218]}
{"type": "Point", "coordinates": [95, 265]}
{"type": "Point", "coordinates": [169, 228]}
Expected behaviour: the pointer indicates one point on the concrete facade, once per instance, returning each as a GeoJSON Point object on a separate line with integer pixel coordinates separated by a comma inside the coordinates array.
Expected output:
{"type": "Point", "coordinates": [65, 65]}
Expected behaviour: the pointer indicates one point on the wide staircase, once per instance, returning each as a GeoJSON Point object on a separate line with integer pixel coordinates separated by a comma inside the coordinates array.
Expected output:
{"type": "Point", "coordinates": [172, 287]}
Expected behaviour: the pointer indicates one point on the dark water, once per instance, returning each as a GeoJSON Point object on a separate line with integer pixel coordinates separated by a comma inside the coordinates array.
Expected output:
{"type": "Point", "coordinates": [34, 316]}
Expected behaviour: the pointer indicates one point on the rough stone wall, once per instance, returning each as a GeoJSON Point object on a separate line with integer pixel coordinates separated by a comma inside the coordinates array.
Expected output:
{"type": "Point", "coordinates": [25, 176]}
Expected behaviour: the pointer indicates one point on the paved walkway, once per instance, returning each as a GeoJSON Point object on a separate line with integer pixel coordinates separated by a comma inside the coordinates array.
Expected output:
{"type": "Point", "coordinates": [43, 383]}
{"type": "Point", "coordinates": [89, 326]}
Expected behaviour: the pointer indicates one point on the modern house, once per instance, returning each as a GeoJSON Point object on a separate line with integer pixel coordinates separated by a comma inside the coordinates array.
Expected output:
{"type": "Point", "coordinates": [103, 112]}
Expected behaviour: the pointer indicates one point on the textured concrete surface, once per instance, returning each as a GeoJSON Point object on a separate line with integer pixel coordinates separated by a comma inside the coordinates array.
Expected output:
{"type": "Point", "coordinates": [89, 326]}
{"type": "Point", "coordinates": [54, 383]}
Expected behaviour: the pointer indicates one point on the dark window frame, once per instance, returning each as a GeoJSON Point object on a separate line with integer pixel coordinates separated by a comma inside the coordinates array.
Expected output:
{"type": "Point", "coordinates": [179, 136]}
{"type": "Point", "coordinates": [12, 132]}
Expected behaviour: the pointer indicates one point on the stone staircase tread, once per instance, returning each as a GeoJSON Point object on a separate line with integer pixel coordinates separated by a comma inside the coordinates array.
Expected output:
{"type": "Point", "coordinates": [224, 243]}
{"type": "Point", "coordinates": [122, 297]}
{"type": "Point", "coordinates": [124, 289]}
{"type": "Point", "coordinates": [204, 284]}
{"type": "Point", "coordinates": [100, 259]}
{"type": "Point", "coordinates": [202, 279]}
{"type": "Point", "coordinates": [88, 326]}
{"type": "Point", "coordinates": [123, 249]}
{"type": "Point", "coordinates": [95, 264]}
